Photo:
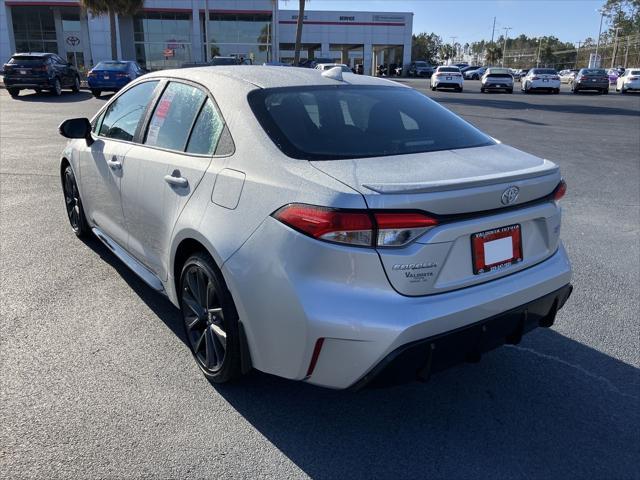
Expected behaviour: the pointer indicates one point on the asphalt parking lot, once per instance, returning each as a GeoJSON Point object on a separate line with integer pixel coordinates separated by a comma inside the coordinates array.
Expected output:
{"type": "Point", "coordinates": [96, 381]}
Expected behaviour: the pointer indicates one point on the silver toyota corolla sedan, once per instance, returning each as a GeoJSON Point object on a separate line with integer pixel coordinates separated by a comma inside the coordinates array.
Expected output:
{"type": "Point", "coordinates": [327, 227]}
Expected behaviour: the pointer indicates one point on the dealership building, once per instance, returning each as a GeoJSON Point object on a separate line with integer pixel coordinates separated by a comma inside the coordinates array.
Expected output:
{"type": "Point", "coordinates": [168, 33]}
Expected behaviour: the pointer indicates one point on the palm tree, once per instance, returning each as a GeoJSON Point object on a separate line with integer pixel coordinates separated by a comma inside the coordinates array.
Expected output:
{"type": "Point", "coordinates": [296, 54]}
{"type": "Point", "coordinates": [494, 53]}
{"type": "Point", "coordinates": [112, 7]}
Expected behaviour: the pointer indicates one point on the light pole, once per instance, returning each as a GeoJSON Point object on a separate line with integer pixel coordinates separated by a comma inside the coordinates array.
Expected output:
{"type": "Point", "coordinates": [453, 44]}
{"type": "Point", "coordinates": [601, 12]}
{"type": "Point", "coordinates": [577, 53]}
{"type": "Point", "coordinates": [504, 48]}
{"type": "Point", "coordinates": [539, 48]}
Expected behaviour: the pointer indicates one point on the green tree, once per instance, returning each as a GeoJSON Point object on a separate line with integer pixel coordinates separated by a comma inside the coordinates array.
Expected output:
{"type": "Point", "coordinates": [112, 8]}
{"type": "Point", "coordinates": [425, 46]}
{"type": "Point", "coordinates": [623, 14]}
{"type": "Point", "coordinates": [494, 53]}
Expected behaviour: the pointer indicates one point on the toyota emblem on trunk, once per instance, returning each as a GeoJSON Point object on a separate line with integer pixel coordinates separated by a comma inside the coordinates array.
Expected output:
{"type": "Point", "coordinates": [510, 195]}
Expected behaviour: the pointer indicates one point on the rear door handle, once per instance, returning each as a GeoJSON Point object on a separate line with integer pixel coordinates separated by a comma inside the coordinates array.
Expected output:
{"type": "Point", "coordinates": [176, 180]}
{"type": "Point", "coordinates": [114, 163]}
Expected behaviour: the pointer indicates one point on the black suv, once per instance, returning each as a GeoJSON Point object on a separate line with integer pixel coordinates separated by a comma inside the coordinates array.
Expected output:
{"type": "Point", "coordinates": [39, 71]}
{"type": "Point", "coordinates": [420, 69]}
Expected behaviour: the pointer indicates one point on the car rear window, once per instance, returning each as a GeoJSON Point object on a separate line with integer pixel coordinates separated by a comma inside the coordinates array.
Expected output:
{"type": "Point", "coordinates": [25, 60]}
{"type": "Point", "coordinates": [449, 69]}
{"type": "Point", "coordinates": [118, 66]}
{"type": "Point", "coordinates": [593, 71]}
{"type": "Point", "coordinates": [635, 72]}
{"type": "Point", "coordinates": [354, 121]}
{"type": "Point", "coordinates": [499, 75]}
{"type": "Point", "coordinates": [545, 71]}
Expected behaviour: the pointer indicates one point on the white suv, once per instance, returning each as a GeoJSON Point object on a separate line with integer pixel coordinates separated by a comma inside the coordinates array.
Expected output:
{"type": "Point", "coordinates": [447, 77]}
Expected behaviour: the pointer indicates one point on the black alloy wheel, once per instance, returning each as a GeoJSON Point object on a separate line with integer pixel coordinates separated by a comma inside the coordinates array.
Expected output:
{"type": "Point", "coordinates": [76, 84]}
{"type": "Point", "coordinates": [73, 204]}
{"type": "Point", "coordinates": [57, 87]}
{"type": "Point", "coordinates": [210, 319]}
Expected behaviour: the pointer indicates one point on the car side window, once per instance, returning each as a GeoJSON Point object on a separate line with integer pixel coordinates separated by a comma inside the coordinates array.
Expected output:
{"type": "Point", "coordinates": [123, 115]}
{"type": "Point", "coordinates": [174, 116]}
{"type": "Point", "coordinates": [206, 131]}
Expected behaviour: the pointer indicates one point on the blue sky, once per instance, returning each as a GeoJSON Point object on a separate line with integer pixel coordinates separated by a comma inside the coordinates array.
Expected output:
{"type": "Point", "coordinates": [469, 20]}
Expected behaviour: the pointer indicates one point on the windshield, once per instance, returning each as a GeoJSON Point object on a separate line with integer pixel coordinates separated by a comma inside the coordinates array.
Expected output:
{"type": "Point", "coordinates": [354, 121]}
{"type": "Point", "coordinates": [118, 66]}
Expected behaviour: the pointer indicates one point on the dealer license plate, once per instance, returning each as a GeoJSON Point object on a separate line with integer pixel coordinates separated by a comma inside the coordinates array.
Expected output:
{"type": "Point", "coordinates": [496, 249]}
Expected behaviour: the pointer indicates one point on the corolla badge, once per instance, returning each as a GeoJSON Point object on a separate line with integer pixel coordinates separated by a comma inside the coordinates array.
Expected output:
{"type": "Point", "coordinates": [510, 195]}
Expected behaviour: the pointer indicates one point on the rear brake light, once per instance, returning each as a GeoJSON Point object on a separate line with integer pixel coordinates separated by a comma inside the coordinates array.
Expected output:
{"type": "Point", "coordinates": [356, 227]}
{"type": "Point", "coordinates": [43, 68]}
{"type": "Point", "coordinates": [560, 190]}
{"type": "Point", "coordinates": [535, 78]}
{"type": "Point", "coordinates": [122, 75]}
{"type": "Point", "coordinates": [91, 73]}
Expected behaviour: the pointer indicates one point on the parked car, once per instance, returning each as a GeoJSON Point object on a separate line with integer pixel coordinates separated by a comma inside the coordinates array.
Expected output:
{"type": "Point", "coordinates": [447, 77]}
{"type": "Point", "coordinates": [219, 61]}
{"type": "Point", "coordinates": [629, 80]}
{"type": "Point", "coordinates": [328, 66]}
{"type": "Point", "coordinates": [470, 67]}
{"type": "Point", "coordinates": [546, 79]}
{"type": "Point", "coordinates": [613, 75]}
{"type": "Point", "coordinates": [420, 69]}
{"type": "Point", "coordinates": [590, 79]}
{"type": "Point", "coordinates": [276, 64]}
{"type": "Point", "coordinates": [460, 65]}
{"type": "Point", "coordinates": [475, 74]}
{"type": "Point", "coordinates": [337, 233]}
{"type": "Point", "coordinates": [112, 75]}
{"type": "Point", "coordinates": [566, 76]}
{"type": "Point", "coordinates": [497, 79]}
{"type": "Point", "coordinates": [519, 73]}
{"type": "Point", "coordinates": [39, 71]}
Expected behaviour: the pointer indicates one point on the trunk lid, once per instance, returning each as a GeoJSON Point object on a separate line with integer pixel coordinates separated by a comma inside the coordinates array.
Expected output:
{"type": "Point", "coordinates": [464, 189]}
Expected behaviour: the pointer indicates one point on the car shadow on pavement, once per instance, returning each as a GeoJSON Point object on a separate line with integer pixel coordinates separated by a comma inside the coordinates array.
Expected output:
{"type": "Point", "coordinates": [45, 97]}
{"type": "Point", "coordinates": [548, 107]}
{"type": "Point", "coordinates": [550, 407]}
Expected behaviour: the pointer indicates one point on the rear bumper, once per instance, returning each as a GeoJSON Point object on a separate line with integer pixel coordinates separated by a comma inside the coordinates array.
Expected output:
{"type": "Point", "coordinates": [418, 360]}
{"type": "Point", "coordinates": [592, 86]}
{"type": "Point", "coordinates": [27, 83]}
{"type": "Point", "coordinates": [102, 85]}
{"type": "Point", "coordinates": [538, 85]}
{"type": "Point", "coordinates": [492, 86]}
{"type": "Point", "coordinates": [447, 83]}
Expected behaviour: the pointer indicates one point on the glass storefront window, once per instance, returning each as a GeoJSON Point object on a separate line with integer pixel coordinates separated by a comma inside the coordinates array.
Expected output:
{"type": "Point", "coordinates": [162, 39]}
{"type": "Point", "coordinates": [240, 35]}
{"type": "Point", "coordinates": [34, 29]}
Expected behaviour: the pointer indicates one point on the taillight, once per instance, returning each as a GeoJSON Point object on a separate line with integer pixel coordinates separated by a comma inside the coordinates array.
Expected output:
{"type": "Point", "coordinates": [396, 229]}
{"type": "Point", "coordinates": [356, 227]}
{"type": "Point", "coordinates": [122, 75]}
{"type": "Point", "coordinates": [352, 227]}
{"type": "Point", "coordinates": [555, 78]}
{"type": "Point", "coordinates": [43, 68]}
{"type": "Point", "coordinates": [91, 73]}
{"type": "Point", "coordinates": [535, 78]}
{"type": "Point", "coordinates": [560, 190]}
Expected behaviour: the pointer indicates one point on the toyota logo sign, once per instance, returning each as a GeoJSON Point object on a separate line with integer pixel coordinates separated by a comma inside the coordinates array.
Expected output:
{"type": "Point", "coordinates": [72, 40]}
{"type": "Point", "coordinates": [510, 195]}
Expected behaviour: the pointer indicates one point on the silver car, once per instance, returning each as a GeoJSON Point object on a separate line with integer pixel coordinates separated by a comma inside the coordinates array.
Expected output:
{"type": "Point", "coordinates": [332, 228]}
{"type": "Point", "coordinates": [497, 79]}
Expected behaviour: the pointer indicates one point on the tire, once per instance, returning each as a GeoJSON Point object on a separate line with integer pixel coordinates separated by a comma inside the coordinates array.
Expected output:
{"type": "Point", "coordinates": [57, 87]}
{"type": "Point", "coordinates": [210, 319]}
{"type": "Point", "coordinates": [14, 92]}
{"type": "Point", "coordinates": [38, 91]}
{"type": "Point", "coordinates": [96, 93]}
{"type": "Point", "coordinates": [460, 89]}
{"type": "Point", "coordinates": [623, 91]}
{"type": "Point", "coordinates": [73, 204]}
{"type": "Point", "coordinates": [510, 90]}
{"type": "Point", "coordinates": [76, 85]}
{"type": "Point", "coordinates": [482, 90]}
{"type": "Point", "coordinates": [606, 92]}
{"type": "Point", "coordinates": [556, 91]}
{"type": "Point", "coordinates": [433, 89]}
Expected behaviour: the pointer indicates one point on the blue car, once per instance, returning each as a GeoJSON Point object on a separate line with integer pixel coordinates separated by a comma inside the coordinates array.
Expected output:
{"type": "Point", "coordinates": [111, 76]}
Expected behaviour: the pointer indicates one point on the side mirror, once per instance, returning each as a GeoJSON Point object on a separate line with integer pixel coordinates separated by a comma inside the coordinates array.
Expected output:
{"type": "Point", "coordinates": [76, 128]}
